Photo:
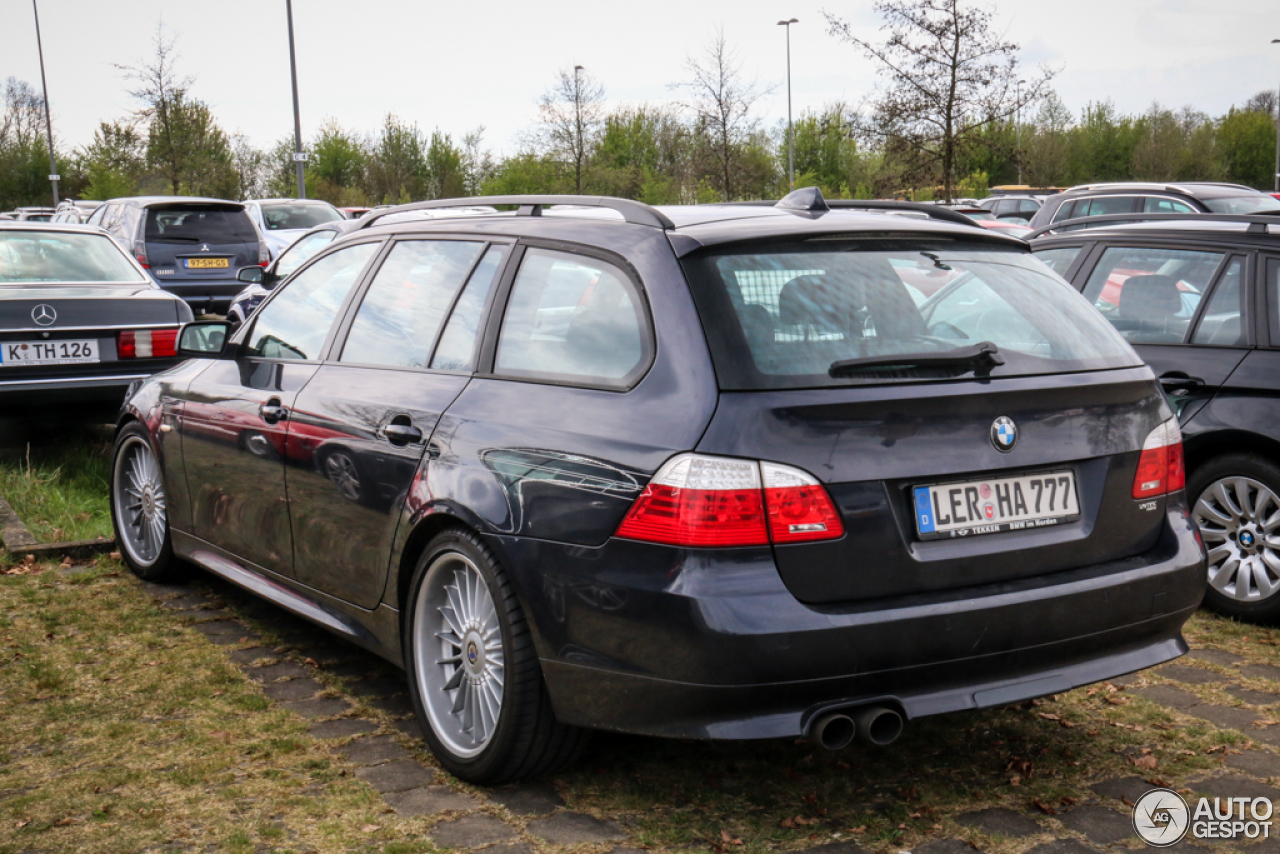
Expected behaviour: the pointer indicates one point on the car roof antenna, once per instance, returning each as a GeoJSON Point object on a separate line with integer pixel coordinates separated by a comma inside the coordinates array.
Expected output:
{"type": "Point", "coordinates": [804, 199]}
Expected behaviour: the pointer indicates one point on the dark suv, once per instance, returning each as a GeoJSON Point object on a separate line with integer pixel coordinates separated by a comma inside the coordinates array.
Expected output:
{"type": "Point", "coordinates": [1199, 299]}
{"type": "Point", "coordinates": [191, 247]}
{"type": "Point", "coordinates": [1137, 198]}
{"type": "Point", "coordinates": [720, 472]}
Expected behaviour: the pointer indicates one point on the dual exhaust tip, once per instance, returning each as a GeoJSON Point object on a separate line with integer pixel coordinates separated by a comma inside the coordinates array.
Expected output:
{"type": "Point", "coordinates": [875, 725]}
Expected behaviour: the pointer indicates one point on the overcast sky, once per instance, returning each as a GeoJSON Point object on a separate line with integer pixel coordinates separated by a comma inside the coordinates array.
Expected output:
{"type": "Point", "coordinates": [459, 65]}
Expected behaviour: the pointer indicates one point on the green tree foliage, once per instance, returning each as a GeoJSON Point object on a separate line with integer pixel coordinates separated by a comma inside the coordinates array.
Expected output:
{"type": "Point", "coordinates": [826, 154]}
{"type": "Point", "coordinates": [336, 165]}
{"type": "Point", "coordinates": [397, 170]}
{"type": "Point", "coordinates": [24, 153]}
{"type": "Point", "coordinates": [446, 170]}
{"type": "Point", "coordinates": [114, 161]}
{"type": "Point", "coordinates": [1247, 140]}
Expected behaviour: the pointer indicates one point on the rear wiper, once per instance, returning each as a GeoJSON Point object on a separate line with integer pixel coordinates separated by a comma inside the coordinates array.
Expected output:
{"type": "Point", "coordinates": [982, 354]}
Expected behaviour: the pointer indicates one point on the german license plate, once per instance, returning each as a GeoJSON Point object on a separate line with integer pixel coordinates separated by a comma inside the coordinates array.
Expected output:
{"type": "Point", "coordinates": [206, 263]}
{"type": "Point", "coordinates": [992, 505]}
{"type": "Point", "coordinates": [15, 353]}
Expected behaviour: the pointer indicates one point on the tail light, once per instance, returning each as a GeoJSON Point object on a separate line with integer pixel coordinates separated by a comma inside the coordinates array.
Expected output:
{"type": "Point", "coordinates": [147, 344]}
{"type": "Point", "coordinates": [1160, 467]}
{"type": "Point", "coordinates": [140, 252]}
{"type": "Point", "coordinates": [703, 501]}
{"type": "Point", "coordinates": [264, 254]}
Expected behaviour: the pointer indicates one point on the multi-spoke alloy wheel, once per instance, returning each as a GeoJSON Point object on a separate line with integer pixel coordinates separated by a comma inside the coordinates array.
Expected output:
{"type": "Point", "coordinates": [459, 654]}
{"type": "Point", "coordinates": [474, 675]}
{"type": "Point", "coordinates": [341, 469]}
{"type": "Point", "coordinates": [1237, 508]}
{"type": "Point", "coordinates": [1238, 518]}
{"type": "Point", "coordinates": [139, 506]}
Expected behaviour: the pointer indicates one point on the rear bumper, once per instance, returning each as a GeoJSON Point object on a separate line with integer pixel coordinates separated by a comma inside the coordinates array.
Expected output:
{"type": "Point", "coordinates": [209, 295]}
{"type": "Point", "coordinates": [710, 644]}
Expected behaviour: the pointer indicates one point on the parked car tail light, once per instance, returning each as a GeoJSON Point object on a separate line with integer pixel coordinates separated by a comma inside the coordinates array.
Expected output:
{"type": "Point", "coordinates": [1160, 468]}
{"type": "Point", "coordinates": [703, 501]}
{"type": "Point", "coordinates": [264, 254]}
{"type": "Point", "coordinates": [140, 252]}
{"type": "Point", "coordinates": [147, 344]}
{"type": "Point", "coordinates": [799, 508]}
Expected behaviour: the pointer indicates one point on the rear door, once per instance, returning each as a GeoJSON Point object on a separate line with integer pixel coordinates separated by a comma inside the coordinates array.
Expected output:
{"type": "Point", "coordinates": [361, 425]}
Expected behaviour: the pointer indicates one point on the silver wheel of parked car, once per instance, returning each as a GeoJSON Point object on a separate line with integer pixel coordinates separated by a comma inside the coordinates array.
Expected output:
{"type": "Point", "coordinates": [1238, 518]}
{"type": "Point", "coordinates": [459, 656]}
{"type": "Point", "coordinates": [342, 470]}
{"type": "Point", "coordinates": [139, 505]}
{"type": "Point", "coordinates": [140, 499]}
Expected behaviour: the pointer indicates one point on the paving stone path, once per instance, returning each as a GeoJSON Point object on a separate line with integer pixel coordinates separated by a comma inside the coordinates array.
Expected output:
{"type": "Point", "coordinates": [326, 681]}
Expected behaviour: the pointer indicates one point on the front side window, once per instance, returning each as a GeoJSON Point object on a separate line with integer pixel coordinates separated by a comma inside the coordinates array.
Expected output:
{"type": "Point", "coordinates": [1059, 258]}
{"type": "Point", "coordinates": [401, 313]}
{"type": "Point", "coordinates": [1150, 294]}
{"type": "Point", "coordinates": [295, 324]}
{"type": "Point", "coordinates": [1222, 324]}
{"type": "Point", "coordinates": [457, 347]}
{"type": "Point", "coordinates": [831, 313]}
{"type": "Point", "coordinates": [574, 319]}
{"type": "Point", "coordinates": [302, 251]}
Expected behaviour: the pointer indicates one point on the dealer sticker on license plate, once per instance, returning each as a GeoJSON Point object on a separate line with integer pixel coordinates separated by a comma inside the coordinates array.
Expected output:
{"type": "Point", "coordinates": [206, 263]}
{"type": "Point", "coordinates": [15, 353]}
{"type": "Point", "coordinates": [989, 506]}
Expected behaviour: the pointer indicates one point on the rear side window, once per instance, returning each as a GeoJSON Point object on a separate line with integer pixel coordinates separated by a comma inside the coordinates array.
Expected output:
{"type": "Point", "coordinates": [457, 347]}
{"type": "Point", "coordinates": [1158, 205]}
{"type": "Point", "coordinates": [199, 224]}
{"type": "Point", "coordinates": [784, 318]}
{"type": "Point", "coordinates": [401, 312]}
{"type": "Point", "coordinates": [1151, 294]}
{"type": "Point", "coordinates": [297, 216]}
{"type": "Point", "coordinates": [573, 319]}
{"type": "Point", "coordinates": [296, 322]}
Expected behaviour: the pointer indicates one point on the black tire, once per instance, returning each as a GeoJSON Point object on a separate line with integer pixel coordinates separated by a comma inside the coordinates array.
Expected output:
{"type": "Point", "coordinates": [1231, 497]}
{"type": "Point", "coordinates": [139, 509]}
{"type": "Point", "coordinates": [526, 740]}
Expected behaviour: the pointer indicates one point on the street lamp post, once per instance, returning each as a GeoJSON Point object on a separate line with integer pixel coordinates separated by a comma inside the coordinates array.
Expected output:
{"type": "Point", "coordinates": [1017, 121]}
{"type": "Point", "coordinates": [791, 152]}
{"type": "Point", "coordinates": [299, 159]}
{"type": "Point", "coordinates": [48, 122]}
{"type": "Point", "coordinates": [1277, 175]}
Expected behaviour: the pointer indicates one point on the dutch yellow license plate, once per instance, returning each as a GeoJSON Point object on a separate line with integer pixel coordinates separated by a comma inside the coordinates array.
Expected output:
{"type": "Point", "coordinates": [207, 263]}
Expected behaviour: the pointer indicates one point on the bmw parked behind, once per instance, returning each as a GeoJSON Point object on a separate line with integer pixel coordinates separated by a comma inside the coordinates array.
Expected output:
{"type": "Point", "coordinates": [714, 472]}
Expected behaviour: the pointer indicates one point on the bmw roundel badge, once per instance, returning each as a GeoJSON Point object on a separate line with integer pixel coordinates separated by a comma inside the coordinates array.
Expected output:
{"type": "Point", "coordinates": [1004, 433]}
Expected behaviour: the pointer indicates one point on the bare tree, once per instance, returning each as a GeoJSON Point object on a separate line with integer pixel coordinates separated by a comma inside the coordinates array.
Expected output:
{"type": "Point", "coordinates": [477, 162]}
{"type": "Point", "coordinates": [949, 77]}
{"type": "Point", "coordinates": [22, 121]}
{"type": "Point", "coordinates": [571, 113]}
{"type": "Point", "coordinates": [1263, 102]}
{"type": "Point", "coordinates": [721, 100]}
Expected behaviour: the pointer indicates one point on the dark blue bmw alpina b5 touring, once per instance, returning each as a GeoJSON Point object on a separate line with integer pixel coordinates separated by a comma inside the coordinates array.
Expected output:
{"type": "Point", "coordinates": [721, 472]}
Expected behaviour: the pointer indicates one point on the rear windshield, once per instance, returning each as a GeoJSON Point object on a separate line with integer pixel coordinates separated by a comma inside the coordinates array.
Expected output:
{"type": "Point", "coordinates": [802, 316]}
{"type": "Point", "coordinates": [1251, 203]}
{"type": "Point", "coordinates": [199, 224]}
{"type": "Point", "coordinates": [291, 216]}
{"type": "Point", "coordinates": [56, 257]}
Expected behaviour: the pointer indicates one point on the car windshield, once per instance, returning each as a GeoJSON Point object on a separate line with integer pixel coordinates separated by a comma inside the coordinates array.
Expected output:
{"type": "Point", "coordinates": [54, 257]}
{"type": "Point", "coordinates": [199, 224]}
{"type": "Point", "coordinates": [1252, 203]}
{"type": "Point", "coordinates": [281, 217]}
{"type": "Point", "coordinates": [804, 315]}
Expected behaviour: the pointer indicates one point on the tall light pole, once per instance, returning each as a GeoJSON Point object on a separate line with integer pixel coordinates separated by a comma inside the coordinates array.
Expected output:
{"type": "Point", "coordinates": [1277, 177]}
{"type": "Point", "coordinates": [1017, 121]}
{"type": "Point", "coordinates": [791, 151]}
{"type": "Point", "coordinates": [299, 159]}
{"type": "Point", "coordinates": [48, 122]}
{"type": "Point", "coordinates": [579, 146]}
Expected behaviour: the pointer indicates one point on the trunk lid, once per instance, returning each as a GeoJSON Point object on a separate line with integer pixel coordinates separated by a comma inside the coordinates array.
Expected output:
{"type": "Point", "coordinates": [873, 446]}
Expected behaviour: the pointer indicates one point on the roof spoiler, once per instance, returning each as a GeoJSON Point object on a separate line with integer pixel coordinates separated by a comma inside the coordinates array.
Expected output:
{"type": "Point", "coordinates": [636, 213]}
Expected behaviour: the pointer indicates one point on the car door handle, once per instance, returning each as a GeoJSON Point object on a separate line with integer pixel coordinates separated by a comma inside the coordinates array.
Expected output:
{"type": "Point", "coordinates": [1180, 381]}
{"type": "Point", "coordinates": [272, 411]}
{"type": "Point", "coordinates": [402, 434]}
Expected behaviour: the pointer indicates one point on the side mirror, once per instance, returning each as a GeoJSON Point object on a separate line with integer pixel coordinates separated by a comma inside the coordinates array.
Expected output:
{"type": "Point", "coordinates": [204, 339]}
{"type": "Point", "coordinates": [251, 275]}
